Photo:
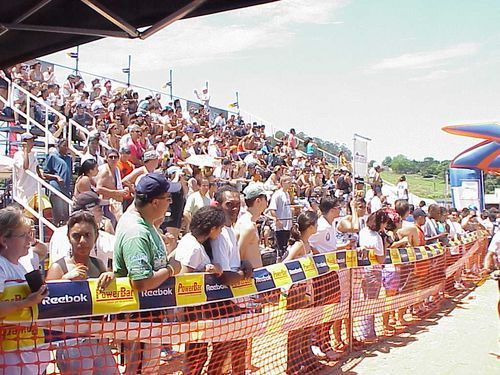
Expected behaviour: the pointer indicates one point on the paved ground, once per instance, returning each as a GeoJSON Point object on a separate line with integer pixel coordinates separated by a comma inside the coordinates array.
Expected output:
{"type": "Point", "coordinates": [461, 339]}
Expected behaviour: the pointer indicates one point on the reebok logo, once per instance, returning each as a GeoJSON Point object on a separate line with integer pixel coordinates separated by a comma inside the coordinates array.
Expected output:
{"type": "Point", "coordinates": [65, 299]}
{"type": "Point", "coordinates": [157, 292]}
{"type": "Point", "coordinates": [212, 288]}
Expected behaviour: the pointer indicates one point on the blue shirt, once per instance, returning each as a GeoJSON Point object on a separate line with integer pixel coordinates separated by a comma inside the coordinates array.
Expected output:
{"type": "Point", "coordinates": [62, 166]}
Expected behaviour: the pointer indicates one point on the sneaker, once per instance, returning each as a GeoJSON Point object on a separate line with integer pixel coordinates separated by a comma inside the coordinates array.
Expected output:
{"type": "Point", "coordinates": [317, 352]}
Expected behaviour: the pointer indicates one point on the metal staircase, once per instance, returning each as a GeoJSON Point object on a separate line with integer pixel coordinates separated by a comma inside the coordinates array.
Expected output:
{"type": "Point", "coordinates": [54, 126]}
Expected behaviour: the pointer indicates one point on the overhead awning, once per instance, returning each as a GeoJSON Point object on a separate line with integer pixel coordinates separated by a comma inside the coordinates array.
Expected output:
{"type": "Point", "coordinates": [33, 28]}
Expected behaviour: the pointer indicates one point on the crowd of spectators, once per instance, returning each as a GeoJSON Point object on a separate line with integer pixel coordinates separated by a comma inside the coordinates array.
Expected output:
{"type": "Point", "coordinates": [174, 191]}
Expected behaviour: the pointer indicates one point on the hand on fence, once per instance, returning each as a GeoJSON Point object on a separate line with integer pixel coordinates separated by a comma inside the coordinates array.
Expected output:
{"type": "Point", "coordinates": [214, 268]}
{"type": "Point", "coordinates": [77, 273]}
{"type": "Point", "coordinates": [36, 297]}
{"type": "Point", "coordinates": [105, 279]}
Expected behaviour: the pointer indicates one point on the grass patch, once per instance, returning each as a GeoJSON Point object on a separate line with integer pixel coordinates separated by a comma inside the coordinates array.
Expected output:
{"type": "Point", "coordinates": [433, 188]}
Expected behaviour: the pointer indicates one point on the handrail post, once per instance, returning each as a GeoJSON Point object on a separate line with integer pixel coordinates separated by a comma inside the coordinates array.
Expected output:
{"type": "Point", "coordinates": [41, 232]}
{"type": "Point", "coordinates": [350, 333]}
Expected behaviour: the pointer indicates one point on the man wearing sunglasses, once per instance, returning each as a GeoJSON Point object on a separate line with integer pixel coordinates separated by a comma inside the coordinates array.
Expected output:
{"type": "Point", "coordinates": [140, 254]}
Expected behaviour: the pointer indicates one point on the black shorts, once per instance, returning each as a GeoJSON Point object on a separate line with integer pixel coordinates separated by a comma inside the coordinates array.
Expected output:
{"type": "Point", "coordinates": [176, 211]}
{"type": "Point", "coordinates": [3, 84]}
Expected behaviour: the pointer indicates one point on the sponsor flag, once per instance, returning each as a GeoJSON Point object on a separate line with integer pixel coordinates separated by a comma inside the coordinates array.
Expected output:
{"type": "Point", "coordinates": [126, 70]}
{"type": "Point", "coordinates": [72, 55]}
{"type": "Point", "coordinates": [168, 84]}
{"type": "Point", "coordinates": [234, 105]}
{"type": "Point", "coordinates": [360, 156]}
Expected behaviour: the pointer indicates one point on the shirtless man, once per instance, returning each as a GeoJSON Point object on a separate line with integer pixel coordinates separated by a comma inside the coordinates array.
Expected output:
{"type": "Point", "coordinates": [150, 160]}
{"type": "Point", "coordinates": [109, 184]}
{"type": "Point", "coordinates": [408, 230]}
{"type": "Point", "coordinates": [246, 227]}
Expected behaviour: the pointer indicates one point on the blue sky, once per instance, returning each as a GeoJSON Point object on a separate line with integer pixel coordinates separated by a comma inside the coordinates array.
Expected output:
{"type": "Point", "coordinates": [394, 71]}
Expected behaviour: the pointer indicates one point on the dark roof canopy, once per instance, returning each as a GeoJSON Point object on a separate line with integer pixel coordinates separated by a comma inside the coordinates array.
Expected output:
{"type": "Point", "coordinates": [33, 28]}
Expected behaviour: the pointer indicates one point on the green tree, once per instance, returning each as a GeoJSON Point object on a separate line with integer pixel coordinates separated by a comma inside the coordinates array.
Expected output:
{"type": "Point", "coordinates": [387, 161]}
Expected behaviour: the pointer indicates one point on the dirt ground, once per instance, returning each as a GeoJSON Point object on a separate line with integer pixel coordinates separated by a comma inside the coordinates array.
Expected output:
{"type": "Point", "coordinates": [462, 338]}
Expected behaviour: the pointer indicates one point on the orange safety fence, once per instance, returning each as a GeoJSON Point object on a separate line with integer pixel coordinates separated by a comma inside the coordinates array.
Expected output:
{"type": "Point", "coordinates": [294, 317]}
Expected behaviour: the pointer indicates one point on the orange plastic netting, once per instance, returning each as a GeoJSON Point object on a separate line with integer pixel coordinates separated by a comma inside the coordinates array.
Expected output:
{"type": "Point", "coordinates": [272, 324]}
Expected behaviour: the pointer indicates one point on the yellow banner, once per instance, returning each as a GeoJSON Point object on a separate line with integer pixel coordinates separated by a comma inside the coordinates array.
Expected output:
{"type": "Point", "coordinates": [395, 256]}
{"type": "Point", "coordinates": [118, 296]}
{"type": "Point", "coordinates": [411, 254]}
{"type": "Point", "coordinates": [244, 287]}
{"type": "Point", "coordinates": [190, 289]}
{"type": "Point", "coordinates": [351, 258]}
{"type": "Point", "coordinates": [280, 274]}
{"type": "Point", "coordinates": [331, 261]}
{"type": "Point", "coordinates": [309, 267]}
{"type": "Point", "coordinates": [19, 336]}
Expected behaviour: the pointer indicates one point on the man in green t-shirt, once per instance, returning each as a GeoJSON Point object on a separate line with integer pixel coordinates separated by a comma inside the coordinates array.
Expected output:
{"type": "Point", "coordinates": [141, 255]}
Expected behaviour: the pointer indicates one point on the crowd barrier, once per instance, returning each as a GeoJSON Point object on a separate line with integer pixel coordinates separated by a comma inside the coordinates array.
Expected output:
{"type": "Point", "coordinates": [193, 324]}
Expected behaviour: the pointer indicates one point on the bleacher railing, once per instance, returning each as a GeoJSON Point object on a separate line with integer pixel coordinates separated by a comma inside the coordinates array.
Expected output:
{"type": "Point", "coordinates": [267, 323]}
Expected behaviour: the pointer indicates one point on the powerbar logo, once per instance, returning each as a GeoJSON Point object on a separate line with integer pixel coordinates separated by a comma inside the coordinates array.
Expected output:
{"type": "Point", "coordinates": [308, 267]}
{"type": "Point", "coordinates": [263, 279]}
{"type": "Point", "coordinates": [65, 299]}
{"type": "Point", "coordinates": [245, 283]}
{"type": "Point", "coordinates": [157, 292]}
{"type": "Point", "coordinates": [294, 271]}
{"type": "Point", "coordinates": [194, 288]}
{"type": "Point", "coordinates": [215, 287]}
{"type": "Point", "coordinates": [321, 264]}
{"type": "Point", "coordinates": [115, 295]}
{"type": "Point", "coordinates": [280, 274]}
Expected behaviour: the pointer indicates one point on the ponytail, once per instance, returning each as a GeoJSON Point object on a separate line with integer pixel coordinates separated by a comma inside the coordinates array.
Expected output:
{"type": "Point", "coordinates": [295, 233]}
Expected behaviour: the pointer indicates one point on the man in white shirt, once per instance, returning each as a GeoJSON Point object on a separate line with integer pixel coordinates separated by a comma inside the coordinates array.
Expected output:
{"type": "Point", "coordinates": [226, 252]}
{"type": "Point", "coordinates": [324, 241]}
{"type": "Point", "coordinates": [492, 259]}
{"type": "Point", "coordinates": [25, 160]}
{"type": "Point", "coordinates": [280, 210]}
{"type": "Point", "coordinates": [197, 200]}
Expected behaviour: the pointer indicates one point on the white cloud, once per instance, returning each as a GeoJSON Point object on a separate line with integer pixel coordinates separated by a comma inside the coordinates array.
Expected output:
{"type": "Point", "coordinates": [428, 59]}
{"type": "Point", "coordinates": [437, 75]}
{"type": "Point", "coordinates": [198, 40]}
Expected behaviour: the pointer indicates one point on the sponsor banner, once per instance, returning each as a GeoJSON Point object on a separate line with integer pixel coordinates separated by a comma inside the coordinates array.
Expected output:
{"type": "Point", "coordinates": [331, 261]}
{"type": "Point", "coordinates": [81, 298]}
{"type": "Point", "coordinates": [412, 256]}
{"type": "Point", "coordinates": [321, 264]}
{"type": "Point", "coordinates": [118, 296]}
{"type": "Point", "coordinates": [190, 289]}
{"type": "Point", "coordinates": [309, 266]}
{"type": "Point", "coordinates": [403, 255]}
{"type": "Point", "coordinates": [280, 274]}
{"type": "Point", "coordinates": [341, 259]}
{"type": "Point", "coordinates": [163, 296]}
{"type": "Point", "coordinates": [395, 257]}
{"type": "Point", "coordinates": [66, 298]}
{"type": "Point", "coordinates": [295, 271]}
{"type": "Point", "coordinates": [351, 258]}
{"type": "Point", "coordinates": [244, 288]}
{"type": "Point", "coordinates": [372, 257]}
{"type": "Point", "coordinates": [263, 280]}
{"type": "Point", "coordinates": [19, 336]}
{"type": "Point", "coordinates": [215, 290]}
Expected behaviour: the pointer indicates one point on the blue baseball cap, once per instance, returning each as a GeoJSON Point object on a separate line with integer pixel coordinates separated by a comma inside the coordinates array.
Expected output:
{"type": "Point", "coordinates": [155, 184]}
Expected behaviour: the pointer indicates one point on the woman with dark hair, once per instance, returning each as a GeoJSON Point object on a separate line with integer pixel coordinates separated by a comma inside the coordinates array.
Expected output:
{"type": "Point", "coordinates": [394, 277]}
{"type": "Point", "coordinates": [88, 355]}
{"type": "Point", "coordinates": [85, 180]}
{"type": "Point", "coordinates": [206, 224]}
{"type": "Point", "coordinates": [371, 277]}
{"type": "Point", "coordinates": [300, 358]}
{"type": "Point", "coordinates": [306, 226]}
